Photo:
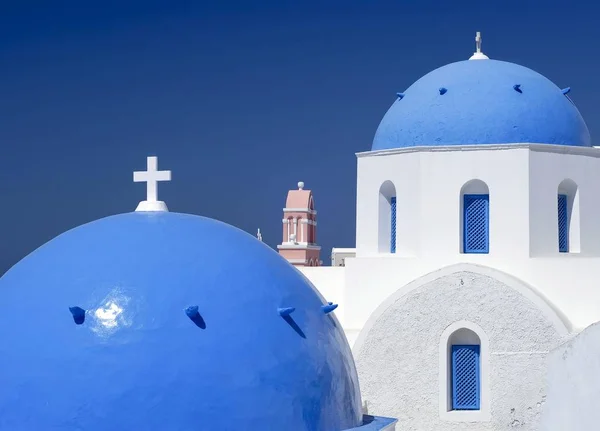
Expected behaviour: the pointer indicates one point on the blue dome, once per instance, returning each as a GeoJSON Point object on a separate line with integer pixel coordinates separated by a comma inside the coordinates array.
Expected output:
{"type": "Point", "coordinates": [136, 361]}
{"type": "Point", "coordinates": [476, 102]}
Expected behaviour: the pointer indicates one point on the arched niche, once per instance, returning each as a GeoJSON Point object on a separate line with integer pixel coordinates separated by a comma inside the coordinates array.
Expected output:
{"type": "Point", "coordinates": [464, 349]}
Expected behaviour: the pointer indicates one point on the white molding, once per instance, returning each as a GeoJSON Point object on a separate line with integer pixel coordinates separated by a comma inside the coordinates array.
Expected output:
{"type": "Point", "coordinates": [298, 246]}
{"type": "Point", "coordinates": [343, 250]}
{"type": "Point", "coordinates": [297, 261]}
{"type": "Point", "coordinates": [548, 148]}
{"type": "Point", "coordinates": [484, 413]}
{"type": "Point", "coordinates": [299, 210]}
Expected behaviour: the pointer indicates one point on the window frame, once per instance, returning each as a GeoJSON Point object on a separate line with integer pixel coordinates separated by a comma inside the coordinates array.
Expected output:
{"type": "Point", "coordinates": [563, 199]}
{"type": "Point", "coordinates": [476, 348]}
{"type": "Point", "coordinates": [466, 199]}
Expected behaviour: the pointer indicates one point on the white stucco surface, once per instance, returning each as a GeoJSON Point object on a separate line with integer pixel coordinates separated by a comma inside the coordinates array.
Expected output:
{"type": "Point", "coordinates": [329, 281]}
{"type": "Point", "coordinates": [574, 384]}
{"type": "Point", "coordinates": [398, 360]}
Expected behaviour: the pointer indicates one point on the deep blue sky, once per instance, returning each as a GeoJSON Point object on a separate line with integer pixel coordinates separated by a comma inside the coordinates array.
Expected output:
{"type": "Point", "coordinates": [240, 99]}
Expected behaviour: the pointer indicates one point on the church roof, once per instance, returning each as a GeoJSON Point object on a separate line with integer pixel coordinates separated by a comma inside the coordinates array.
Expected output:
{"type": "Point", "coordinates": [300, 198]}
{"type": "Point", "coordinates": [160, 320]}
{"type": "Point", "coordinates": [481, 101]}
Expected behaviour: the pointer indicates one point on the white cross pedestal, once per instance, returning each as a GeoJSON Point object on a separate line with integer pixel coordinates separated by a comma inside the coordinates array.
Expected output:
{"type": "Point", "coordinates": [151, 177]}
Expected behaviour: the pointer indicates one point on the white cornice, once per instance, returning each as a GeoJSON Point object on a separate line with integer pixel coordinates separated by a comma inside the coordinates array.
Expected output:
{"type": "Point", "coordinates": [299, 210]}
{"type": "Point", "coordinates": [343, 250]}
{"type": "Point", "coordinates": [546, 148]}
{"type": "Point", "coordinates": [299, 246]}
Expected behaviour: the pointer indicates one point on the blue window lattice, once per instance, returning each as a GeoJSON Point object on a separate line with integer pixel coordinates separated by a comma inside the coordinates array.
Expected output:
{"type": "Point", "coordinates": [393, 225]}
{"type": "Point", "coordinates": [465, 377]}
{"type": "Point", "coordinates": [563, 224]}
{"type": "Point", "coordinates": [476, 221]}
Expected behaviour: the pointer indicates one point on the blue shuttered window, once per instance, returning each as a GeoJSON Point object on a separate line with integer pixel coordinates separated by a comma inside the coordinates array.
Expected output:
{"type": "Point", "coordinates": [563, 224]}
{"type": "Point", "coordinates": [393, 226]}
{"type": "Point", "coordinates": [476, 221]}
{"type": "Point", "coordinates": [465, 377]}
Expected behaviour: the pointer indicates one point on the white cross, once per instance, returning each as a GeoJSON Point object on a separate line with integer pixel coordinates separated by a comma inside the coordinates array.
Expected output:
{"type": "Point", "coordinates": [151, 177]}
{"type": "Point", "coordinates": [478, 55]}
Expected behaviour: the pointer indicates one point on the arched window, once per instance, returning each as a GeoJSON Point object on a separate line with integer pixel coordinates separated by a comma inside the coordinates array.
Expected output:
{"type": "Point", "coordinates": [387, 218]}
{"type": "Point", "coordinates": [464, 357]}
{"type": "Point", "coordinates": [569, 228]}
{"type": "Point", "coordinates": [475, 217]}
{"type": "Point", "coordinates": [464, 373]}
{"type": "Point", "coordinates": [311, 219]}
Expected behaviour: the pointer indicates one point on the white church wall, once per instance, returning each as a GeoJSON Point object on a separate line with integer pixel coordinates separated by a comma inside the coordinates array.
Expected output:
{"type": "Point", "coordinates": [403, 173]}
{"type": "Point", "coordinates": [443, 175]}
{"type": "Point", "coordinates": [551, 166]}
{"type": "Point", "coordinates": [428, 184]}
{"type": "Point", "coordinates": [523, 182]}
{"type": "Point", "coordinates": [573, 384]}
{"type": "Point", "coordinates": [329, 281]}
{"type": "Point", "coordinates": [398, 352]}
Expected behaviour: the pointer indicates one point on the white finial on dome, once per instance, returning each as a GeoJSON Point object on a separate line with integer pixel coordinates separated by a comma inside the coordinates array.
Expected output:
{"type": "Point", "coordinates": [300, 185]}
{"type": "Point", "coordinates": [478, 55]}
{"type": "Point", "coordinates": [259, 235]}
{"type": "Point", "coordinates": [151, 177]}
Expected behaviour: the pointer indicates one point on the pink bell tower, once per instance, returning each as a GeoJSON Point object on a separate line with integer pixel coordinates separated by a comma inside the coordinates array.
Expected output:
{"type": "Point", "coordinates": [299, 245]}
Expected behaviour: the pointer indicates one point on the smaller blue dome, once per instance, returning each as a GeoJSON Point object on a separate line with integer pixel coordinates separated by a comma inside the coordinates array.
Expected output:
{"type": "Point", "coordinates": [169, 322]}
{"type": "Point", "coordinates": [481, 102]}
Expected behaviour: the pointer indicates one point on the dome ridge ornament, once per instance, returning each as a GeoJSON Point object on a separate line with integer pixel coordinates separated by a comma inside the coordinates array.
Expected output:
{"type": "Point", "coordinates": [478, 55]}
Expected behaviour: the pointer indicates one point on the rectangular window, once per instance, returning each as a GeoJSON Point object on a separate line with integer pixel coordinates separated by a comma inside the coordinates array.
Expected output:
{"type": "Point", "coordinates": [465, 377]}
{"type": "Point", "coordinates": [563, 224]}
{"type": "Point", "coordinates": [476, 221]}
{"type": "Point", "coordinates": [393, 226]}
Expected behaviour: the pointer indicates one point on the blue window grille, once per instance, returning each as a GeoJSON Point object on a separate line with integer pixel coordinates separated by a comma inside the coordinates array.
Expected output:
{"type": "Point", "coordinates": [393, 226]}
{"type": "Point", "coordinates": [476, 222]}
{"type": "Point", "coordinates": [465, 377]}
{"type": "Point", "coordinates": [563, 224]}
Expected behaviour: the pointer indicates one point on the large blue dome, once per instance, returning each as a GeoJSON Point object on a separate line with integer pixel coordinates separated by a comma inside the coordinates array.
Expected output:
{"type": "Point", "coordinates": [481, 102]}
{"type": "Point", "coordinates": [138, 362]}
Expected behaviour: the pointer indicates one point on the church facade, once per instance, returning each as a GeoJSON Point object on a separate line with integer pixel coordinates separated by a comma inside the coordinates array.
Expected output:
{"type": "Point", "coordinates": [477, 248]}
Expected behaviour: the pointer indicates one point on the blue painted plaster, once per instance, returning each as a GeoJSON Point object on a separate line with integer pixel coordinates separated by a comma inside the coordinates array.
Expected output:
{"type": "Point", "coordinates": [481, 106]}
{"type": "Point", "coordinates": [139, 360]}
{"type": "Point", "coordinates": [374, 423]}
